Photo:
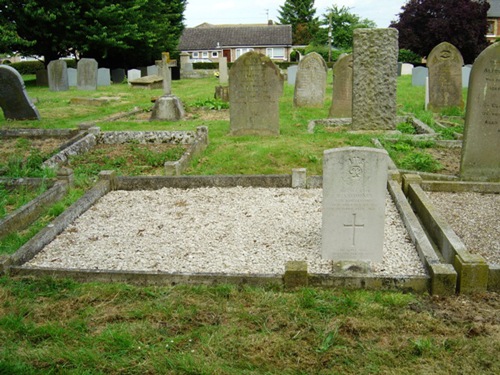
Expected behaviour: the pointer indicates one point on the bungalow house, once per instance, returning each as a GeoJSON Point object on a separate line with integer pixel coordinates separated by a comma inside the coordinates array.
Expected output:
{"type": "Point", "coordinates": [493, 21]}
{"type": "Point", "coordinates": [208, 42]}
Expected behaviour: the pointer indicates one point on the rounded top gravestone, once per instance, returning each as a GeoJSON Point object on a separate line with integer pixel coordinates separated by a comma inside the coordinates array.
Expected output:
{"type": "Point", "coordinates": [310, 82]}
{"type": "Point", "coordinates": [14, 100]}
{"type": "Point", "coordinates": [342, 88]}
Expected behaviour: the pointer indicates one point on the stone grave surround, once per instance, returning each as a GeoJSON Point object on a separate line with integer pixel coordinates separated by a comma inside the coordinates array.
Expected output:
{"type": "Point", "coordinates": [354, 191]}
{"type": "Point", "coordinates": [310, 82]}
{"type": "Point", "coordinates": [341, 106]}
{"type": "Point", "coordinates": [481, 144]}
{"type": "Point", "coordinates": [14, 100]}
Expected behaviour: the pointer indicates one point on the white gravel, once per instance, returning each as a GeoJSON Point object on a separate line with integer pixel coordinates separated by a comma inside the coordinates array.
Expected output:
{"type": "Point", "coordinates": [212, 230]}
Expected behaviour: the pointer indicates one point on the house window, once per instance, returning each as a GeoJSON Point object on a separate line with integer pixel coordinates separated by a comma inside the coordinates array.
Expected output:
{"type": "Point", "coordinates": [276, 53]}
{"type": "Point", "coordinates": [491, 28]}
{"type": "Point", "coordinates": [215, 54]}
{"type": "Point", "coordinates": [196, 55]}
{"type": "Point", "coordinates": [241, 51]}
{"type": "Point", "coordinates": [204, 55]}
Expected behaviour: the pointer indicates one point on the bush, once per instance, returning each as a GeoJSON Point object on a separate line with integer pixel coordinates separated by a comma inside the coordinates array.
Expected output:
{"type": "Point", "coordinates": [31, 67]}
{"type": "Point", "coordinates": [407, 56]}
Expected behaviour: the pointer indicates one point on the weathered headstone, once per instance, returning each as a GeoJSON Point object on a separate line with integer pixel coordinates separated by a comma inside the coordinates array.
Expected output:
{"type": "Point", "coordinates": [58, 75]}
{"type": "Point", "coordinates": [310, 84]}
{"type": "Point", "coordinates": [14, 100]}
{"type": "Point", "coordinates": [186, 64]}
{"type": "Point", "coordinates": [480, 149]}
{"type": "Point", "coordinates": [354, 191]}
{"type": "Point", "coordinates": [466, 75]}
{"type": "Point", "coordinates": [406, 69]}
{"type": "Point", "coordinates": [42, 77]}
{"type": "Point", "coordinates": [418, 76]}
{"type": "Point", "coordinates": [445, 77]}
{"type": "Point", "coordinates": [72, 74]}
{"type": "Point", "coordinates": [86, 76]}
{"type": "Point", "coordinates": [342, 88]}
{"type": "Point", "coordinates": [118, 75]}
{"type": "Point", "coordinates": [375, 57]}
{"type": "Point", "coordinates": [255, 86]}
{"type": "Point", "coordinates": [223, 73]}
{"type": "Point", "coordinates": [103, 77]}
{"type": "Point", "coordinates": [133, 74]}
{"type": "Point", "coordinates": [291, 73]}
{"type": "Point", "coordinates": [152, 70]}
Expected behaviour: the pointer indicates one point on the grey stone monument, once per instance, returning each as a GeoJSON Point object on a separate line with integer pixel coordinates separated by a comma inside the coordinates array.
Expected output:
{"type": "Point", "coordinates": [223, 73]}
{"type": "Point", "coordinates": [186, 64]}
{"type": "Point", "coordinates": [72, 74]}
{"type": "Point", "coordinates": [310, 84]}
{"type": "Point", "coordinates": [445, 77]}
{"type": "Point", "coordinates": [86, 77]}
{"type": "Point", "coordinates": [466, 75]}
{"type": "Point", "coordinates": [58, 75]}
{"type": "Point", "coordinates": [103, 77]}
{"type": "Point", "coordinates": [118, 75]}
{"type": "Point", "coordinates": [42, 77]}
{"type": "Point", "coordinates": [375, 62]}
{"type": "Point", "coordinates": [133, 74]}
{"type": "Point", "coordinates": [152, 70]}
{"type": "Point", "coordinates": [354, 191]}
{"type": "Point", "coordinates": [14, 100]}
{"type": "Point", "coordinates": [481, 144]}
{"type": "Point", "coordinates": [342, 88]}
{"type": "Point", "coordinates": [418, 76]}
{"type": "Point", "coordinates": [406, 69]}
{"type": "Point", "coordinates": [291, 73]}
{"type": "Point", "coordinates": [255, 86]}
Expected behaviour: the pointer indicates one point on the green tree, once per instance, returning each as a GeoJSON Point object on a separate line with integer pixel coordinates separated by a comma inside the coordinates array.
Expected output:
{"type": "Point", "coordinates": [121, 33]}
{"type": "Point", "coordinates": [423, 24]}
{"type": "Point", "coordinates": [299, 14]}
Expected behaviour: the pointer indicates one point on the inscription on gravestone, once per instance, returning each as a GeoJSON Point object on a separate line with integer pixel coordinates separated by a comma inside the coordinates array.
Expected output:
{"type": "Point", "coordinates": [481, 144]}
{"type": "Point", "coordinates": [310, 83]}
{"type": "Point", "coordinates": [354, 190]}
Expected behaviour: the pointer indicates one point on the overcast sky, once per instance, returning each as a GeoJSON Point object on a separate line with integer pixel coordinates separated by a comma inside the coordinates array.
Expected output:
{"type": "Point", "coordinates": [258, 11]}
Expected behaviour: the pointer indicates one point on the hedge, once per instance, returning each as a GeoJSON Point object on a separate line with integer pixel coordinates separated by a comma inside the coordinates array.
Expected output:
{"type": "Point", "coordinates": [31, 67]}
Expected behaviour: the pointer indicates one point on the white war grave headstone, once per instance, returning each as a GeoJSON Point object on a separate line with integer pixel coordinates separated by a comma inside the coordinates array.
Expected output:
{"type": "Point", "coordinates": [310, 83]}
{"type": "Point", "coordinates": [255, 86]}
{"type": "Point", "coordinates": [481, 144]}
{"type": "Point", "coordinates": [375, 70]}
{"type": "Point", "coordinates": [354, 191]}
{"type": "Point", "coordinates": [14, 100]}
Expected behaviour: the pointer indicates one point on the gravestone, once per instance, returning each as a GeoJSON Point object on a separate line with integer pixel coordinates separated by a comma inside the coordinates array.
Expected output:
{"type": "Point", "coordinates": [103, 77]}
{"type": "Point", "coordinates": [375, 61]}
{"type": "Point", "coordinates": [406, 69]}
{"type": "Point", "coordinates": [86, 76]}
{"type": "Point", "coordinates": [72, 74]}
{"type": "Point", "coordinates": [342, 88]}
{"type": "Point", "coordinates": [354, 191]}
{"type": "Point", "coordinates": [291, 73]}
{"type": "Point", "coordinates": [223, 73]}
{"type": "Point", "coordinates": [186, 64]}
{"type": "Point", "coordinates": [118, 75]}
{"type": "Point", "coordinates": [466, 75]}
{"type": "Point", "coordinates": [255, 86]}
{"type": "Point", "coordinates": [445, 77]}
{"type": "Point", "coordinates": [14, 99]}
{"type": "Point", "coordinates": [152, 70]}
{"type": "Point", "coordinates": [133, 74]}
{"type": "Point", "coordinates": [144, 71]}
{"type": "Point", "coordinates": [418, 76]}
{"type": "Point", "coordinates": [400, 67]}
{"type": "Point", "coordinates": [42, 77]}
{"type": "Point", "coordinates": [310, 84]}
{"type": "Point", "coordinates": [58, 75]}
{"type": "Point", "coordinates": [480, 149]}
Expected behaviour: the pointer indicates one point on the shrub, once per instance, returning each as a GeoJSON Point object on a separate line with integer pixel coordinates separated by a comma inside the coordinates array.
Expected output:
{"type": "Point", "coordinates": [407, 56]}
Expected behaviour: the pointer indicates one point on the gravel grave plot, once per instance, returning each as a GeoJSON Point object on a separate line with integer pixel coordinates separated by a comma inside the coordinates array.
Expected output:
{"type": "Point", "coordinates": [475, 219]}
{"type": "Point", "coordinates": [212, 230]}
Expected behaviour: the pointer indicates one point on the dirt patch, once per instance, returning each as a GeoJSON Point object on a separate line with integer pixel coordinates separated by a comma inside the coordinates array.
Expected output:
{"type": "Point", "coordinates": [448, 157]}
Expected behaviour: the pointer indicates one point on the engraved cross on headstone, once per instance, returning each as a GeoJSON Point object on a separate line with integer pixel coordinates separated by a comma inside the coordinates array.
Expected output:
{"type": "Point", "coordinates": [354, 226]}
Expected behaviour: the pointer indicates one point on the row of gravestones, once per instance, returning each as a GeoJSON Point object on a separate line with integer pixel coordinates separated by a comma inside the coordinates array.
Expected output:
{"type": "Point", "coordinates": [420, 74]}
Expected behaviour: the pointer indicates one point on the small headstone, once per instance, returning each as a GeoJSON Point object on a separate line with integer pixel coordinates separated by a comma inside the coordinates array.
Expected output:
{"type": "Point", "coordinates": [354, 191]}
{"type": "Point", "coordinates": [466, 75]}
{"type": "Point", "coordinates": [223, 73]}
{"type": "Point", "coordinates": [72, 74]}
{"type": "Point", "coordinates": [186, 64]}
{"type": "Point", "coordinates": [418, 76]}
{"type": "Point", "coordinates": [144, 71]}
{"type": "Point", "coordinates": [42, 78]}
{"type": "Point", "coordinates": [118, 75]}
{"type": "Point", "coordinates": [291, 73]}
{"type": "Point", "coordinates": [152, 70]}
{"type": "Point", "coordinates": [480, 149]}
{"type": "Point", "coordinates": [342, 88]}
{"type": "Point", "coordinates": [406, 69]}
{"type": "Point", "coordinates": [58, 75]}
{"type": "Point", "coordinates": [310, 84]}
{"type": "Point", "coordinates": [445, 77]}
{"type": "Point", "coordinates": [133, 74]}
{"type": "Point", "coordinates": [86, 77]}
{"type": "Point", "coordinates": [103, 77]}
{"type": "Point", "coordinates": [375, 62]}
{"type": "Point", "coordinates": [255, 86]}
{"type": "Point", "coordinates": [14, 100]}
{"type": "Point", "coordinates": [400, 66]}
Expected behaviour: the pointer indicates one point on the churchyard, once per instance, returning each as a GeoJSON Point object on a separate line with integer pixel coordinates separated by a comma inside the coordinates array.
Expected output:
{"type": "Point", "coordinates": [285, 215]}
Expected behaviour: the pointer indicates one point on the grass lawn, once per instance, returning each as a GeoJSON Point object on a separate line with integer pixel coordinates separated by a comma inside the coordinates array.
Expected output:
{"type": "Point", "coordinates": [50, 326]}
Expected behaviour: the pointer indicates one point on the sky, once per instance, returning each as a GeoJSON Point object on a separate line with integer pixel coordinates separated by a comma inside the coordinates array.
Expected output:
{"type": "Point", "coordinates": [259, 11]}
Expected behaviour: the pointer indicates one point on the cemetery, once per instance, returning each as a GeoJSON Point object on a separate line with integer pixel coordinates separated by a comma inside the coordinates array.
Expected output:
{"type": "Point", "coordinates": [370, 200]}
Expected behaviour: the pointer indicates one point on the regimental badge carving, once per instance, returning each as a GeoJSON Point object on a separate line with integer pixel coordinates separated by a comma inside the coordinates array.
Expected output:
{"type": "Point", "coordinates": [356, 167]}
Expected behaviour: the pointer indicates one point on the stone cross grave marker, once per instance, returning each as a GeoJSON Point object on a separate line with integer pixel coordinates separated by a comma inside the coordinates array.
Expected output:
{"type": "Point", "coordinates": [342, 88]}
{"type": "Point", "coordinates": [445, 77]}
{"type": "Point", "coordinates": [481, 144]}
{"type": "Point", "coordinates": [310, 83]}
{"type": "Point", "coordinates": [72, 77]}
{"type": "Point", "coordinates": [255, 86]}
{"type": "Point", "coordinates": [418, 76]}
{"type": "Point", "coordinates": [375, 62]}
{"type": "Point", "coordinates": [14, 100]}
{"type": "Point", "coordinates": [58, 75]}
{"type": "Point", "coordinates": [86, 76]}
{"type": "Point", "coordinates": [354, 190]}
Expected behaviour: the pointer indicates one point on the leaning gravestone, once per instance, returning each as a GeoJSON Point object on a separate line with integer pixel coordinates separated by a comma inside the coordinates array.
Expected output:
{"type": "Point", "coordinates": [354, 190]}
{"type": "Point", "coordinates": [14, 100]}
{"type": "Point", "coordinates": [419, 75]}
{"type": "Point", "coordinates": [480, 149]}
{"type": "Point", "coordinates": [342, 88]}
{"type": "Point", "coordinates": [86, 76]}
{"type": "Point", "coordinates": [72, 73]}
{"type": "Point", "coordinates": [310, 83]}
{"type": "Point", "coordinates": [103, 77]}
{"type": "Point", "coordinates": [445, 77]}
{"type": "Point", "coordinates": [118, 75]}
{"type": "Point", "coordinates": [58, 75]}
{"type": "Point", "coordinates": [375, 61]}
{"type": "Point", "coordinates": [255, 86]}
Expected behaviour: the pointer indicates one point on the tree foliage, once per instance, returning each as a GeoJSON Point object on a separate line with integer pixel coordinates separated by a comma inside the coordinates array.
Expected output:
{"type": "Point", "coordinates": [423, 24]}
{"type": "Point", "coordinates": [301, 15]}
{"type": "Point", "coordinates": [122, 33]}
